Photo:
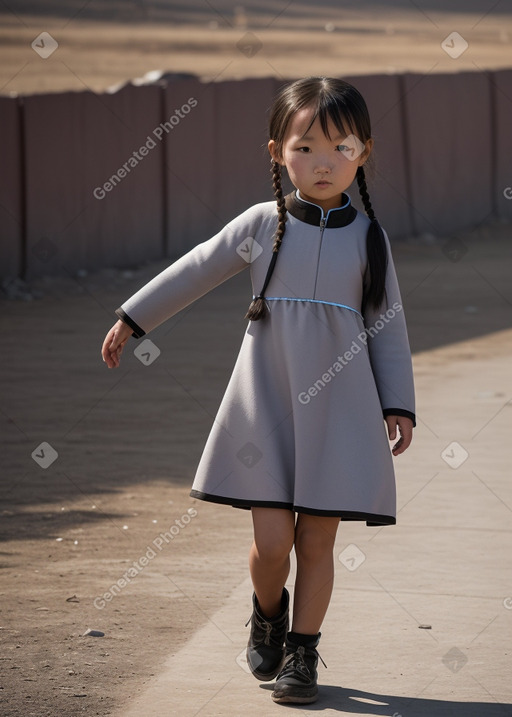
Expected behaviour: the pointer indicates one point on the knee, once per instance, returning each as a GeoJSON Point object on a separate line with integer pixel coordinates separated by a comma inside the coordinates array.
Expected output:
{"type": "Point", "coordinates": [313, 544]}
{"type": "Point", "coordinates": [272, 549]}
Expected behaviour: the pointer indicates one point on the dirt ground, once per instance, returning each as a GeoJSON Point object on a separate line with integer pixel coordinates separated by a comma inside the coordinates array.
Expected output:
{"type": "Point", "coordinates": [128, 442]}
{"type": "Point", "coordinates": [222, 40]}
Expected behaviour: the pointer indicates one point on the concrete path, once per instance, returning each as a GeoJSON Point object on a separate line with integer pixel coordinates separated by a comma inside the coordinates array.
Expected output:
{"type": "Point", "coordinates": [420, 622]}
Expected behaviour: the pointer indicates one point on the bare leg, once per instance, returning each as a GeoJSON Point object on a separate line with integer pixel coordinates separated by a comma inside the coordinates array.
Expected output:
{"type": "Point", "coordinates": [269, 558]}
{"type": "Point", "coordinates": [314, 544]}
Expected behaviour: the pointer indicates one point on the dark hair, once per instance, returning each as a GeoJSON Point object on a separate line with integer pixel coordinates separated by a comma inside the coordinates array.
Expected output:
{"type": "Point", "coordinates": [336, 100]}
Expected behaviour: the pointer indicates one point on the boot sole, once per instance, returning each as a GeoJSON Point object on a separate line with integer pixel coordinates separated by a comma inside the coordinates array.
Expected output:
{"type": "Point", "coordinates": [303, 699]}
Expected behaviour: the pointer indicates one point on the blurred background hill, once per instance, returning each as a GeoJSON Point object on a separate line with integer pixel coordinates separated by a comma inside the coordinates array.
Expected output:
{"type": "Point", "coordinates": [103, 44]}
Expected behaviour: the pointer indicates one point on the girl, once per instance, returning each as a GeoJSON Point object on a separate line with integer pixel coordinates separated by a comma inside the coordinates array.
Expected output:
{"type": "Point", "coordinates": [325, 363]}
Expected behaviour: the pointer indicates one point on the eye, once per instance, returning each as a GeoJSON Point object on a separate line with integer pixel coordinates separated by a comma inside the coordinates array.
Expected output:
{"type": "Point", "coordinates": [342, 147]}
{"type": "Point", "coordinates": [305, 149]}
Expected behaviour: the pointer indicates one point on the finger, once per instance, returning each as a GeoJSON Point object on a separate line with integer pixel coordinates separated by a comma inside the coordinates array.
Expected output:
{"type": "Point", "coordinates": [405, 439]}
{"type": "Point", "coordinates": [398, 448]}
{"type": "Point", "coordinates": [106, 353]}
{"type": "Point", "coordinates": [121, 347]}
{"type": "Point", "coordinates": [110, 356]}
{"type": "Point", "coordinates": [391, 424]}
{"type": "Point", "coordinates": [406, 443]}
{"type": "Point", "coordinates": [406, 432]}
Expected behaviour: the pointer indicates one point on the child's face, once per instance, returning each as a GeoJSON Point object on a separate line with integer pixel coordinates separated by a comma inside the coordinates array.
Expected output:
{"type": "Point", "coordinates": [320, 168]}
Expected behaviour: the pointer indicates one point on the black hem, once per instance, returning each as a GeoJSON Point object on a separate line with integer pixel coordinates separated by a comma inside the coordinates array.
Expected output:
{"type": "Point", "coordinates": [371, 519]}
{"type": "Point", "coordinates": [400, 412]}
{"type": "Point", "coordinates": [137, 331]}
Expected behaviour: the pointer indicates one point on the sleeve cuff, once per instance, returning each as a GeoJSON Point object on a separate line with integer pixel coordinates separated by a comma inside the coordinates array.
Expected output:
{"type": "Point", "coordinates": [400, 412]}
{"type": "Point", "coordinates": [137, 331]}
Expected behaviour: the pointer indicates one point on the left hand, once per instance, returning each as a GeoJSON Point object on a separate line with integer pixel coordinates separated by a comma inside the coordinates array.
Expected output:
{"type": "Point", "coordinates": [405, 427]}
{"type": "Point", "coordinates": [114, 342]}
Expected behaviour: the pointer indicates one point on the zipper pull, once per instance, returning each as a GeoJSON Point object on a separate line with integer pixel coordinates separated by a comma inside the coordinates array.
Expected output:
{"type": "Point", "coordinates": [322, 223]}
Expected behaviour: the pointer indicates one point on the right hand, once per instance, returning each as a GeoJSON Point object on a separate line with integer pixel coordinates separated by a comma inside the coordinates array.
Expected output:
{"type": "Point", "coordinates": [114, 343]}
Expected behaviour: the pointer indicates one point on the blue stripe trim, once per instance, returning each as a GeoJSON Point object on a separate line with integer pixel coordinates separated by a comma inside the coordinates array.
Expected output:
{"type": "Point", "coordinates": [314, 301]}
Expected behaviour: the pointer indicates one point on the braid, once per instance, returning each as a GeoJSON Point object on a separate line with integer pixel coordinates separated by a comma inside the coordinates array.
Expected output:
{"type": "Point", "coordinates": [281, 206]}
{"type": "Point", "coordinates": [258, 308]}
{"type": "Point", "coordinates": [373, 290]}
{"type": "Point", "coordinates": [363, 191]}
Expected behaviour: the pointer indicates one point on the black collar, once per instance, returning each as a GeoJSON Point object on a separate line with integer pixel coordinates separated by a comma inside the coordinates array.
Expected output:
{"type": "Point", "coordinates": [312, 213]}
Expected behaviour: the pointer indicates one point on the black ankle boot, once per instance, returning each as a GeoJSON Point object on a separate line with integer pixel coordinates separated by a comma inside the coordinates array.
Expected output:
{"type": "Point", "coordinates": [297, 680]}
{"type": "Point", "coordinates": [265, 649]}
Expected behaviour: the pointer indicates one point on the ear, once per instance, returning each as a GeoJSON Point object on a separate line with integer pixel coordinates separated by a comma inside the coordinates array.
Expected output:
{"type": "Point", "coordinates": [273, 152]}
{"type": "Point", "coordinates": [366, 153]}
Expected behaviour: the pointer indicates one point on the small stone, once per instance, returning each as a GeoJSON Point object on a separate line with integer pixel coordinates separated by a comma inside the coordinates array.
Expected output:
{"type": "Point", "coordinates": [425, 627]}
{"type": "Point", "coordinates": [93, 633]}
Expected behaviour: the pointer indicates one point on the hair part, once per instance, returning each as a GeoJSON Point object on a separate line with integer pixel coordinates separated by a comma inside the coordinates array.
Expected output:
{"type": "Point", "coordinates": [337, 101]}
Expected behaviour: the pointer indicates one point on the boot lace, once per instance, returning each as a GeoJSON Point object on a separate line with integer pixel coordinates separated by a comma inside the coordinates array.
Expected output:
{"type": "Point", "coordinates": [295, 663]}
{"type": "Point", "coordinates": [263, 625]}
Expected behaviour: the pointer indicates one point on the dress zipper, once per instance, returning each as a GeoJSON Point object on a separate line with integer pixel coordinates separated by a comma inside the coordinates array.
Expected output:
{"type": "Point", "coordinates": [322, 227]}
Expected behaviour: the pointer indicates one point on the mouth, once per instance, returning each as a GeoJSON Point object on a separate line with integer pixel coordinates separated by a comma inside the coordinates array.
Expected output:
{"type": "Point", "coordinates": [322, 183]}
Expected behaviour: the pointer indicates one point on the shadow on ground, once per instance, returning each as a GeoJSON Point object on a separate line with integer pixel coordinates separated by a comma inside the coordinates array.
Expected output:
{"type": "Point", "coordinates": [356, 702]}
{"type": "Point", "coordinates": [127, 426]}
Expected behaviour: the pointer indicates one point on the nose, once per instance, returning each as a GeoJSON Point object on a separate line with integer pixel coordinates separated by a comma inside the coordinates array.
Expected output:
{"type": "Point", "coordinates": [323, 165]}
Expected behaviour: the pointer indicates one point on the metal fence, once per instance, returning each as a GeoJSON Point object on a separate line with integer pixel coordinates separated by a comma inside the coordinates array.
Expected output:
{"type": "Point", "coordinates": [92, 180]}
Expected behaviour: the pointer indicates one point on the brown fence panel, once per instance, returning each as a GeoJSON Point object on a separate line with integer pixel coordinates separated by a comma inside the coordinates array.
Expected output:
{"type": "Point", "coordinates": [11, 207]}
{"type": "Point", "coordinates": [388, 185]}
{"type": "Point", "coordinates": [243, 161]}
{"type": "Point", "coordinates": [189, 178]}
{"type": "Point", "coordinates": [450, 141]}
{"type": "Point", "coordinates": [216, 157]}
{"type": "Point", "coordinates": [501, 82]}
{"type": "Point", "coordinates": [75, 143]}
{"type": "Point", "coordinates": [146, 172]}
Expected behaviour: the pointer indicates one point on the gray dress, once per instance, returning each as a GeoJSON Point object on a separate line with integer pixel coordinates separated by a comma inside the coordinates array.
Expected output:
{"type": "Point", "coordinates": [301, 424]}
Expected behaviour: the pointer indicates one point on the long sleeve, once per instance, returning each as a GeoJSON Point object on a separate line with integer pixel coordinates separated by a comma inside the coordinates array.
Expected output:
{"type": "Point", "coordinates": [388, 347]}
{"type": "Point", "coordinates": [191, 276]}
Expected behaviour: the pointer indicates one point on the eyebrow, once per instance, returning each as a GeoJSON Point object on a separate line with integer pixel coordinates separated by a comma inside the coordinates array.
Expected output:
{"type": "Point", "coordinates": [309, 138]}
